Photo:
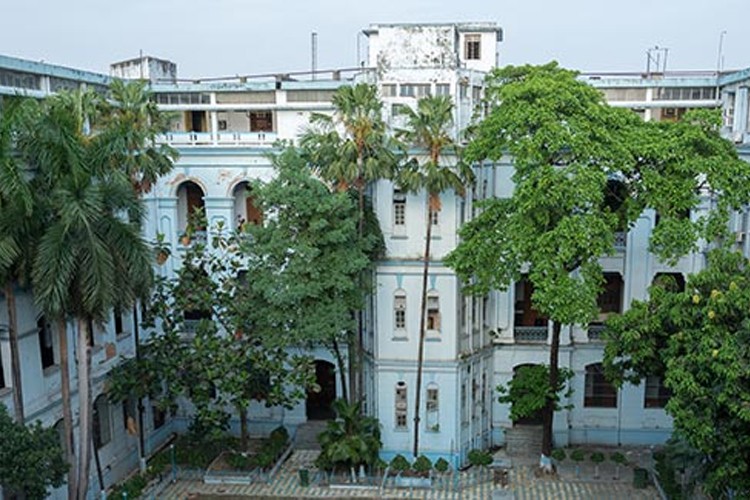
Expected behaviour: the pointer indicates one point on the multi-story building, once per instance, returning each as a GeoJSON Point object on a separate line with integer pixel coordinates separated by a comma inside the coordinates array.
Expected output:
{"type": "Point", "coordinates": [224, 129]}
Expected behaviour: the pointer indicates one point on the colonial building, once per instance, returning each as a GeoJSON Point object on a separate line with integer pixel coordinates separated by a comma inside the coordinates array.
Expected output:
{"type": "Point", "coordinates": [224, 129]}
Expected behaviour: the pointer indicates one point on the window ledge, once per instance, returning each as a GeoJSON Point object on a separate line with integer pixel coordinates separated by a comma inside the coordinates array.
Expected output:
{"type": "Point", "coordinates": [434, 337]}
{"type": "Point", "coordinates": [122, 336]}
{"type": "Point", "coordinates": [400, 338]}
{"type": "Point", "coordinates": [399, 237]}
{"type": "Point", "coordinates": [51, 370]}
{"type": "Point", "coordinates": [401, 429]}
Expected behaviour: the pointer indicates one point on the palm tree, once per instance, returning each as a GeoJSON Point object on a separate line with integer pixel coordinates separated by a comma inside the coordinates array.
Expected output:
{"type": "Point", "coordinates": [348, 148]}
{"type": "Point", "coordinates": [16, 222]}
{"type": "Point", "coordinates": [91, 258]}
{"type": "Point", "coordinates": [429, 129]}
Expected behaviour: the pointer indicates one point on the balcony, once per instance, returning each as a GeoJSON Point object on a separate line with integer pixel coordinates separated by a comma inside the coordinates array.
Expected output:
{"type": "Point", "coordinates": [530, 334]}
{"type": "Point", "coordinates": [595, 332]}
{"type": "Point", "coordinates": [221, 139]}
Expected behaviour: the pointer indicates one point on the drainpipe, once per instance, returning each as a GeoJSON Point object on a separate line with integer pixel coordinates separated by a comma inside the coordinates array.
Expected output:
{"type": "Point", "coordinates": [141, 445]}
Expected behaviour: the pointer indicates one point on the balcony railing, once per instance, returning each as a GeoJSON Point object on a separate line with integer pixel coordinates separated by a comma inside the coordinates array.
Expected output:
{"type": "Point", "coordinates": [595, 332]}
{"type": "Point", "coordinates": [530, 334]}
{"type": "Point", "coordinates": [220, 139]}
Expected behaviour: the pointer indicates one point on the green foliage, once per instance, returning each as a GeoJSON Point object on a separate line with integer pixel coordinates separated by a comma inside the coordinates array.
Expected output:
{"type": "Point", "coordinates": [350, 440]}
{"type": "Point", "coordinates": [618, 458]}
{"type": "Point", "coordinates": [597, 457]}
{"type": "Point", "coordinates": [696, 340]}
{"type": "Point", "coordinates": [31, 460]}
{"type": "Point", "coordinates": [578, 455]}
{"type": "Point", "coordinates": [422, 464]}
{"type": "Point", "coordinates": [558, 454]}
{"type": "Point", "coordinates": [529, 390]}
{"type": "Point", "coordinates": [131, 488]}
{"type": "Point", "coordinates": [442, 465]}
{"type": "Point", "coordinates": [480, 458]}
{"type": "Point", "coordinates": [399, 463]}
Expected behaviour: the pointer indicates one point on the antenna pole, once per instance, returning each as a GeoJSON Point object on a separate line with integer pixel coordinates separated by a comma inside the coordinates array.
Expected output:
{"type": "Point", "coordinates": [314, 43]}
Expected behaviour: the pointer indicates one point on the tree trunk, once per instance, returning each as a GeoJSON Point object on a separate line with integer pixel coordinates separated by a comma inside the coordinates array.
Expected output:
{"type": "Point", "coordinates": [341, 367]}
{"type": "Point", "coordinates": [66, 407]}
{"type": "Point", "coordinates": [15, 357]}
{"type": "Point", "coordinates": [242, 410]}
{"type": "Point", "coordinates": [548, 415]}
{"type": "Point", "coordinates": [355, 356]}
{"type": "Point", "coordinates": [422, 325]}
{"type": "Point", "coordinates": [139, 405]}
{"type": "Point", "coordinates": [85, 409]}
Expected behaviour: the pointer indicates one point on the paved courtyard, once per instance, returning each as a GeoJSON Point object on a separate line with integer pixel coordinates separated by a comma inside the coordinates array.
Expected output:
{"type": "Point", "coordinates": [523, 486]}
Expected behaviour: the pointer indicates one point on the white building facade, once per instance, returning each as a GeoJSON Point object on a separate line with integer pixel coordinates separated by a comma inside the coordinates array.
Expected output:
{"type": "Point", "coordinates": [224, 130]}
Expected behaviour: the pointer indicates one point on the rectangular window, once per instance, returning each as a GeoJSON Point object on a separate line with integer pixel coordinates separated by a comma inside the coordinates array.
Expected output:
{"type": "Point", "coordinates": [476, 93]}
{"type": "Point", "coordinates": [129, 415]}
{"type": "Point", "coordinates": [432, 404]}
{"type": "Point", "coordinates": [399, 207]}
{"type": "Point", "coordinates": [101, 422]}
{"type": "Point", "coordinates": [159, 417]}
{"type": "Point", "coordinates": [464, 406]}
{"type": "Point", "coordinates": [442, 89]}
{"type": "Point", "coordinates": [90, 333]}
{"type": "Point", "coordinates": [435, 217]}
{"type": "Point", "coordinates": [399, 308]}
{"type": "Point", "coordinates": [433, 313]}
{"type": "Point", "coordinates": [401, 405]}
{"type": "Point", "coordinates": [472, 47]}
{"type": "Point", "coordinates": [118, 322]}
{"type": "Point", "coordinates": [46, 347]}
{"type": "Point", "coordinates": [599, 392]}
{"type": "Point", "coordinates": [2, 372]}
{"type": "Point", "coordinates": [261, 121]}
{"type": "Point", "coordinates": [656, 395]}
{"type": "Point", "coordinates": [414, 90]}
{"type": "Point", "coordinates": [388, 90]}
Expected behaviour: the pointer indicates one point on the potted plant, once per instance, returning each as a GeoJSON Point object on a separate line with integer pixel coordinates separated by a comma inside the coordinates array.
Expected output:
{"type": "Point", "coordinates": [597, 457]}
{"type": "Point", "coordinates": [619, 459]}
{"type": "Point", "coordinates": [422, 466]}
{"type": "Point", "coordinates": [578, 456]}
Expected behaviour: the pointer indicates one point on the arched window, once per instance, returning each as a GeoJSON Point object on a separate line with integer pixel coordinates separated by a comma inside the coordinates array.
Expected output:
{"type": "Point", "coordinates": [245, 210]}
{"type": "Point", "coordinates": [674, 282]}
{"type": "Point", "coordinates": [399, 310]}
{"type": "Point", "coordinates": [401, 402]}
{"type": "Point", "coordinates": [46, 346]}
{"type": "Point", "coordinates": [433, 407]}
{"type": "Point", "coordinates": [189, 200]}
{"type": "Point", "coordinates": [102, 429]}
{"type": "Point", "coordinates": [600, 393]}
{"type": "Point", "coordinates": [433, 311]}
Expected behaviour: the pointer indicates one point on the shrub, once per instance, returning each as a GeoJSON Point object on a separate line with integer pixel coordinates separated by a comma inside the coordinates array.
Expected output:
{"type": "Point", "coordinates": [597, 457]}
{"type": "Point", "coordinates": [279, 435]}
{"type": "Point", "coordinates": [480, 458]}
{"type": "Point", "coordinates": [558, 454]}
{"type": "Point", "coordinates": [422, 464]}
{"type": "Point", "coordinates": [238, 461]}
{"type": "Point", "coordinates": [442, 465]}
{"type": "Point", "coordinates": [618, 458]}
{"type": "Point", "coordinates": [578, 455]}
{"type": "Point", "coordinates": [400, 463]}
{"type": "Point", "coordinates": [132, 488]}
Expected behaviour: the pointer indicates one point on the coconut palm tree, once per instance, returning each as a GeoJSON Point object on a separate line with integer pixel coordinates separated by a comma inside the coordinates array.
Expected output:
{"type": "Point", "coordinates": [428, 128]}
{"type": "Point", "coordinates": [91, 257]}
{"type": "Point", "coordinates": [351, 148]}
{"type": "Point", "coordinates": [16, 222]}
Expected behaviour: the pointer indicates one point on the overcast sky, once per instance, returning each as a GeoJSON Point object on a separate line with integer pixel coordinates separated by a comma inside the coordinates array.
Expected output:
{"type": "Point", "coordinates": [228, 37]}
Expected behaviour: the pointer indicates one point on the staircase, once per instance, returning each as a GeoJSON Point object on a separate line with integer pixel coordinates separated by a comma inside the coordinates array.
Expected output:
{"type": "Point", "coordinates": [307, 435]}
{"type": "Point", "coordinates": [523, 441]}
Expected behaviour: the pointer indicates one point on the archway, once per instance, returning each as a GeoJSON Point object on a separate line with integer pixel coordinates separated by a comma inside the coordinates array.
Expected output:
{"type": "Point", "coordinates": [318, 405]}
{"type": "Point", "coordinates": [536, 417]}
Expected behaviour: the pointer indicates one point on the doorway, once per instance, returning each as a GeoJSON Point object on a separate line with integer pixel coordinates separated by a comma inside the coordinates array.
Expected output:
{"type": "Point", "coordinates": [319, 403]}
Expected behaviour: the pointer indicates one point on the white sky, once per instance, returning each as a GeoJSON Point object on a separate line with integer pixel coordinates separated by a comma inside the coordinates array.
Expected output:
{"type": "Point", "coordinates": [228, 37]}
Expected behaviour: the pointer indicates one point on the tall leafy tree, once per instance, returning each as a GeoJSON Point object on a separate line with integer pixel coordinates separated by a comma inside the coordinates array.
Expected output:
{"type": "Point", "coordinates": [696, 341]}
{"type": "Point", "coordinates": [435, 168]}
{"type": "Point", "coordinates": [350, 148]}
{"type": "Point", "coordinates": [16, 226]}
{"type": "Point", "coordinates": [583, 171]}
